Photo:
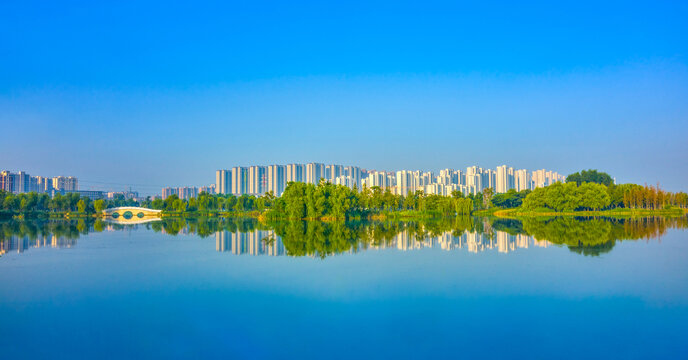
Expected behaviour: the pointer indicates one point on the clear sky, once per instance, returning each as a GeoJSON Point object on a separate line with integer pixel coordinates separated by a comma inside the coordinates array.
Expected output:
{"type": "Point", "coordinates": [163, 94]}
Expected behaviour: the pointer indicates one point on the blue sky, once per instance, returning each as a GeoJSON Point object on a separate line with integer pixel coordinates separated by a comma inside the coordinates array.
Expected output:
{"type": "Point", "coordinates": [156, 94]}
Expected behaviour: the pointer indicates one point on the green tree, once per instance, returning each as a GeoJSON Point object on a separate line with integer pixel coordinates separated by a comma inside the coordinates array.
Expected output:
{"type": "Point", "coordinates": [590, 176]}
{"type": "Point", "coordinates": [487, 197]}
{"type": "Point", "coordinates": [81, 206]}
{"type": "Point", "coordinates": [99, 205]}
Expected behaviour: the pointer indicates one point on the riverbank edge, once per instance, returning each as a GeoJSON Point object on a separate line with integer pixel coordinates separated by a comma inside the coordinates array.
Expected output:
{"type": "Point", "coordinates": [624, 213]}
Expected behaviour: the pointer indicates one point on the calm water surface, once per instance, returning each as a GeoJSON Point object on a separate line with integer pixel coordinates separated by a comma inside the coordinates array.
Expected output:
{"type": "Point", "coordinates": [455, 288]}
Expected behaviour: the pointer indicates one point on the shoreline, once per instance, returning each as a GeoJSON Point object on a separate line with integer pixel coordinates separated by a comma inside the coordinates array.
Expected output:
{"type": "Point", "coordinates": [516, 213]}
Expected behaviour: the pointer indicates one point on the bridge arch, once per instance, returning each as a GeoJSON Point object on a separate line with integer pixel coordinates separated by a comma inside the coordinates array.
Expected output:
{"type": "Point", "coordinates": [131, 211]}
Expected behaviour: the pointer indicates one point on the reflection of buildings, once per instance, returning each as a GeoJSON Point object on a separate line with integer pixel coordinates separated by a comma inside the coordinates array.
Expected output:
{"type": "Point", "coordinates": [540, 243]}
{"type": "Point", "coordinates": [21, 244]}
{"type": "Point", "coordinates": [505, 242]}
{"type": "Point", "coordinates": [471, 241]}
{"type": "Point", "coordinates": [266, 242]}
{"type": "Point", "coordinates": [258, 242]}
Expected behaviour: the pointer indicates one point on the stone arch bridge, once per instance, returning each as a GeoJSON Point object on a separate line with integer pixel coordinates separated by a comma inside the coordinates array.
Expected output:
{"type": "Point", "coordinates": [131, 211]}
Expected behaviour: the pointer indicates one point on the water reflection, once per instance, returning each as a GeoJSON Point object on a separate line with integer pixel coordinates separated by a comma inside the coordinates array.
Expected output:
{"type": "Point", "coordinates": [256, 242]}
{"type": "Point", "coordinates": [268, 242]}
{"type": "Point", "coordinates": [131, 220]}
{"type": "Point", "coordinates": [322, 239]}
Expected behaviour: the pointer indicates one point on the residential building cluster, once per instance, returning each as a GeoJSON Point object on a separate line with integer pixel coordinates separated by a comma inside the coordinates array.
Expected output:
{"type": "Point", "coordinates": [21, 182]}
{"type": "Point", "coordinates": [258, 180]}
{"type": "Point", "coordinates": [126, 195]}
{"type": "Point", "coordinates": [187, 192]}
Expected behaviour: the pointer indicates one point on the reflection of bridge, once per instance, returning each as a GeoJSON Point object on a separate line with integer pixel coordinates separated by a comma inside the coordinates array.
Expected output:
{"type": "Point", "coordinates": [128, 212]}
{"type": "Point", "coordinates": [131, 221]}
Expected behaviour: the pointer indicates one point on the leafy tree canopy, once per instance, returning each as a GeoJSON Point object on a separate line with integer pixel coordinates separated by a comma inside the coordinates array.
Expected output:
{"type": "Point", "coordinates": [590, 176]}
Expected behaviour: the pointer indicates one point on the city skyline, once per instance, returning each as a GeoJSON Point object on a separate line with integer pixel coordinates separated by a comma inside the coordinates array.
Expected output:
{"type": "Point", "coordinates": [260, 179]}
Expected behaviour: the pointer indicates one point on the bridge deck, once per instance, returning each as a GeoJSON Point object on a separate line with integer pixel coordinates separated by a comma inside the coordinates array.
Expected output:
{"type": "Point", "coordinates": [135, 210]}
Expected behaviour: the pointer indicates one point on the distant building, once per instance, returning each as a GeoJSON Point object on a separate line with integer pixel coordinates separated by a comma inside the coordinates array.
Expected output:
{"type": "Point", "coordinates": [257, 180]}
{"type": "Point", "coordinates": [295, 173]}
{"type": "Point", "coordinates": [210, 189]}
{"type": "Point", "coordinates": [127, 195]}
{"type": "Point", "coordinates": [91, 194]}
{"type": "Point", "coordinates": [186, 192]}
{"type": "Point", "coordinates": [167, 192]}
{"type": "Point", "coordinates": [7, 181]}
{"type": "Point", "coordinates": [276, 180]}
{"type": "Point", "coordinates": [314, 172]}
{"type": "Point", "coordinates": [21, 182]}
{"type": "Point", "coordinates": [68, 183]}
{"type": "Point", "coordinates": [223, 181]}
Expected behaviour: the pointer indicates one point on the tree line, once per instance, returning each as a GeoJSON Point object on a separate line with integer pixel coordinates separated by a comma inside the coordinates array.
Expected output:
{"type": "Point", "coordinates": [70, 202]}
{"type": "Point", "coordinates": [587, 190]}
{"type": "Point", "coordinates": [592, 190]}
{"type": "Point", "coordinates": [325, 200]}
{"type": "Point", "coordinates": [31, 202]}
{"type": "Point", "coordinates": [322, 201]}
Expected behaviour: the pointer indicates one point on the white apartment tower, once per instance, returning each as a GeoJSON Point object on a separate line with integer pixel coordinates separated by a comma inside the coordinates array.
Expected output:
{"type": "Point", "coordinates": [314, 172]}
{"type": "Point", "coordinates": [276, 179]}
{"type": "Point", "coordinates": [295, 172]}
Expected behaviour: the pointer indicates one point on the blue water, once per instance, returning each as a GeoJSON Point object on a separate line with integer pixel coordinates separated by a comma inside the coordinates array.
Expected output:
{"type": "Point", "coordinates": [137, 293]}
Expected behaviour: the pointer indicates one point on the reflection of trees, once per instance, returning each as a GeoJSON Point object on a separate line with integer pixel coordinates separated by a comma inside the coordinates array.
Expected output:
{"type": "Point", "coordinates": [33, 229]}
{"type": "Point", "coordinates": [37, 231]}
{"type": "Point", "coordinates": [509, 226]}
{"type": "Point", "coordinates": [596, 236]}
{"type": "Point", "coordinates": [315, 238]}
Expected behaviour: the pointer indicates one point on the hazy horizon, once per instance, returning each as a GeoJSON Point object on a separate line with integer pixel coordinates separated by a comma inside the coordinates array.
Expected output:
{"type": "Point", "coordinates": [159, 94]}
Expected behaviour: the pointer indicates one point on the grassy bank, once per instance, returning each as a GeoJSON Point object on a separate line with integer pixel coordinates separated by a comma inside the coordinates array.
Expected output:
{"type": "Point", "coordinates": [620, 212]}
{"type": "Point", "coordinates": [38, 214]}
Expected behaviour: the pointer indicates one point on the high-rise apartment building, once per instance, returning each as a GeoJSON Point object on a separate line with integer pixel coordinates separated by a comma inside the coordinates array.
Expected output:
{"type": "Point", "coordinates": [167, 192]}
{"type": "Point", "coordinates": [240, 181]}
{"type": "Point", "coordinates": [332, 172]}
{"type": "Point", "coordinates": [207, 189]}
{"type": "Point", "coordinates": [257, 180]}
{"type": "Point", "coordinates": [474, 179]}
{"type": "Point", "coordinates": [522, 180]}
{"type": "Point", "coordinates": [406, 181]}
{"type": "Point", "coordinates": [276, 180]}
{"type": "Point", "coordinates": [223, 182]}
{"type": "Point", "coordinates": [504, 179]}
{"type": "Point", "coordinates": [65, 183]}
{"type": "Point", "coordinates": [7, 181]}
{"type": "Point", "coordinates": [21, 182]}
{"type": "Point", "coordinates": [314, 172]}
{"type": "Point", "coordinates": [501, 184]}
{"type": "Point", "coordinates": [296, 173]}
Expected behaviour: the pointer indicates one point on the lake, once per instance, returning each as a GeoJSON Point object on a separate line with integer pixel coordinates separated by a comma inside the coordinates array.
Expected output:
{"type": "Point", "coordinates": [448, 288]}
